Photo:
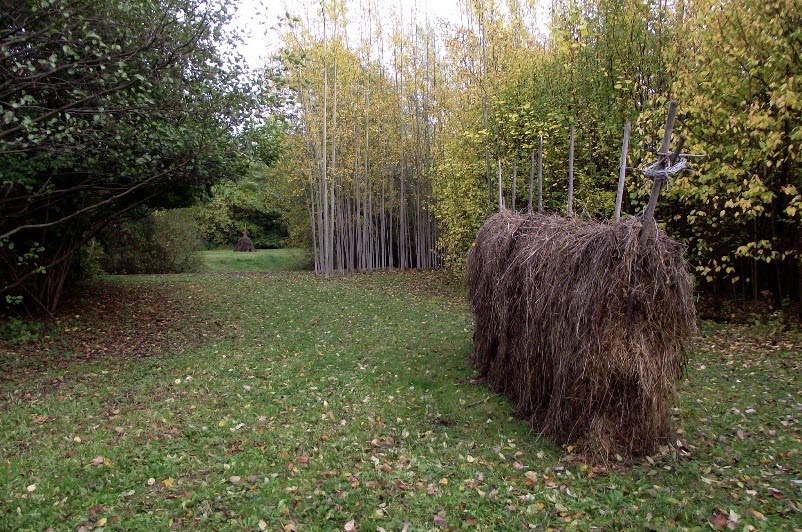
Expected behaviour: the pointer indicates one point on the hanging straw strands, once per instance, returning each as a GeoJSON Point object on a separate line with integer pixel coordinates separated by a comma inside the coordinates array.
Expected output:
{"type": "Point", "coordinates": [551, 295]}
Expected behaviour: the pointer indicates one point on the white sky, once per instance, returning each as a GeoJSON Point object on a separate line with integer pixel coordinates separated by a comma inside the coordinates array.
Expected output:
{"type": "Point", "coordinates": [258, 19]}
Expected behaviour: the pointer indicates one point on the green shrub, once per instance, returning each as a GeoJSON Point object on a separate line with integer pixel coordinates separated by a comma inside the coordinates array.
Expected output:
{"type": "Point", "coordinates": [250, 202]}
{"type": "Point", "coordinates": [15, 331]}
{"type": "Point", "coordinates": [164, 242]}
{"type": "Point", "coordinates": [89, 259]}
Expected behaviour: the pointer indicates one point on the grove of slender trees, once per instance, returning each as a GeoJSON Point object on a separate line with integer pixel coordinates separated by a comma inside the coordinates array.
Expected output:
{"type": "Point", "coordinates": [415, 129]}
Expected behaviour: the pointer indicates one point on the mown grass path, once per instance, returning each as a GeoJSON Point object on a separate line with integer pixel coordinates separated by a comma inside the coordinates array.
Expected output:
{"type": "Point", "coordinates": [284, 401]}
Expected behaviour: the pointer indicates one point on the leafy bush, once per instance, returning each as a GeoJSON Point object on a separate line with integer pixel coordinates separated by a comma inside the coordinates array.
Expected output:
{"type": "Point", "coordinates": [111, 106]}
{"type": "Point", "coordinates": [89, 259]}
{"type": "Point", "coordinates": [251, 202]}
{"type": "Point", "coordinates": [164, 242]}
{"type": "Point", "coordinates": [15, 331]}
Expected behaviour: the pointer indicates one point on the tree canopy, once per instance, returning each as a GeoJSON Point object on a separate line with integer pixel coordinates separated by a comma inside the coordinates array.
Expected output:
{"type": "Point", "coordinates": [402, 133]}
{"type": "Point", "coordinates": [109, 108]}
{"type": "Point", "coordinates": [451, 108]}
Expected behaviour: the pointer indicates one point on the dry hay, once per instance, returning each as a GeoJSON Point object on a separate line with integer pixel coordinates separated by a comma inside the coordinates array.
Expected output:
{"type": "Point", "coordinates": [245, 243]}
{"type": "Point", "coordinates": [582, 327]}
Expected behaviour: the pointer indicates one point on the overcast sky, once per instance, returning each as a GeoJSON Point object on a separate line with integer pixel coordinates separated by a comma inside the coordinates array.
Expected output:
{"type": "Point", "coordinates": [258, 18]}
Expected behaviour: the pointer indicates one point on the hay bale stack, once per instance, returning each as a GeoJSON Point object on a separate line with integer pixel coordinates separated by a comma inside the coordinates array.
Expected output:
{"type": "Point", "coordinates": [244, 243]}
{"type": "Point", "coordinates": [582, 327]}
{"type": "Point", "coordinates": [487, 256]}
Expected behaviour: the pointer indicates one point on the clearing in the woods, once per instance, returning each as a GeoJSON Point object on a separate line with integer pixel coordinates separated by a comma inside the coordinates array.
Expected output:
{"type": "Point", "coordinates": [281, 401]}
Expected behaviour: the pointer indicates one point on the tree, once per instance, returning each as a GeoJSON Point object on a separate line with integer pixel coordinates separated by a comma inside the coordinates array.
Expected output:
{"type": "Point", "coordinates": [108, 108]}
{"type": "Point", "coordinates": [739, 81]}
{"type": "Point", "coordinates": [367, 131]}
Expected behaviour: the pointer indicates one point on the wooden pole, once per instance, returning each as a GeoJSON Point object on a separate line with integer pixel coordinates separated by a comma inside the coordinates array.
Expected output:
{"type": "Point", "coordinates": [648, 215]}
{"type": "Point", "coordinates": [514, 181]}
{"type": "Point", "coordinates": [531, 180]}
{"type": "Point", "coordinates": [622, 173]}
{"type": "Point", "coordinates": [571, 173]}
{"type": "Point", "coordinates": [540, 174]}
{"type": "Point", "coordinates": [500, 188]}
{"type": "Point", "coordinates": [672, 117]}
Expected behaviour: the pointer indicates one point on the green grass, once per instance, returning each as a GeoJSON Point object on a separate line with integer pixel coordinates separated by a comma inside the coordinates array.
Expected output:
{"type": "Point", "coordinates": [263, 260]}
{"type": "Point", "coordinates": [310, 403]}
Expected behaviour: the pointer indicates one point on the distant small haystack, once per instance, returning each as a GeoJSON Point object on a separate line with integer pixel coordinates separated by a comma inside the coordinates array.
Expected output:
{"type": "Point", "coordinates": [584, 326]}
{"type": "Point", "coordinates": [245, 243]}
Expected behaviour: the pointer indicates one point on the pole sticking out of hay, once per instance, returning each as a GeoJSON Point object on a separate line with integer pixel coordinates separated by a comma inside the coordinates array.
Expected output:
{"type": "Point", "coordinates": [514, 180]}
{"type": "Point", "coordinates": [648, 214]}
{"type": "Point", "coordinates": [622, 173]}
{"type": "Point", "coordinates": [531, 180]}
{"type": "Point", "coordinates": [540, 174]}
{"type": "Point", "coordinates": [570, 209]}
{"type": "Point", "coordinates": [500, 188]}
{"type": "Point", "coordinates": [581, 324]}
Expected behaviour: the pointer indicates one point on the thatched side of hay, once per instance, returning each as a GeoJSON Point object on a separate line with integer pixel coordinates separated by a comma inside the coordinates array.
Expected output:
{"type": "Point", "coordinates": [582, 327]}
{"type": "Point", "coordinates": [487, 256]}
{"type": "Point", "coordinates": [244, 243]}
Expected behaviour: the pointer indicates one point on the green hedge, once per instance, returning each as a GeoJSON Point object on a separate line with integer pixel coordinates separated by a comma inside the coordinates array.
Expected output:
{"type": "Point", "coordinates": [164, 242]}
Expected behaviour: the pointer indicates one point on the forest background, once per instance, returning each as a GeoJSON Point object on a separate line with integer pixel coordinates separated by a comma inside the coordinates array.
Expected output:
{"type": "Point", "coordinates": [382, 141]}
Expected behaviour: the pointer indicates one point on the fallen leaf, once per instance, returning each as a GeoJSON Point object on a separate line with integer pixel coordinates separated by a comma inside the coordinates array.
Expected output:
{"type": "Point", "coordinates": [101, 523]}
{"type": "Point", "coordinates": [168, 482]}
{"type": "Point", "coordinates": [97, 461]}
{"type": "Point", "coordinates": [718, 520]}
{"type": "Point", "coordinates": [350, 526]}
{"type": "Point", "coordinates": [439, 520]}
{"type": "Point", "coordinates": [31, 488]}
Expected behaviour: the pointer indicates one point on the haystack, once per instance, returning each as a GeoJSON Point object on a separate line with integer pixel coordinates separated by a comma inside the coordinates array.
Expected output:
{"type": "Point", "coordinates": [583, 326]}
{"type": "Point", "coordinates": [244, 243]}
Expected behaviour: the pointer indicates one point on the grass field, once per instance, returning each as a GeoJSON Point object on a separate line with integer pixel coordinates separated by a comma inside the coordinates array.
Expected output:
{"type": "Point", "coordinates": [262, 260]}
{"type": "Point", "coordinates": [288, 402]}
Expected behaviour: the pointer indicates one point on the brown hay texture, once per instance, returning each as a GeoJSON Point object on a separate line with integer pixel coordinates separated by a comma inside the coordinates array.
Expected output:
{"type": "Point", "coordinates": [244, 243]}
{"type": "Point", "coordinates": [584, 329]}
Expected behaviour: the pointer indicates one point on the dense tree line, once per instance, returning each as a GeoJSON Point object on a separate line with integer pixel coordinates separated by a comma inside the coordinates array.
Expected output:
{"type": "Point", "coordinates": [403, 133]}
{"type": "Point", "coordinates": [365, 129]}
{"type": "Point", "coordinates": [109, 109]}
{"type": "Point", "coordinates": [445, 114]}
